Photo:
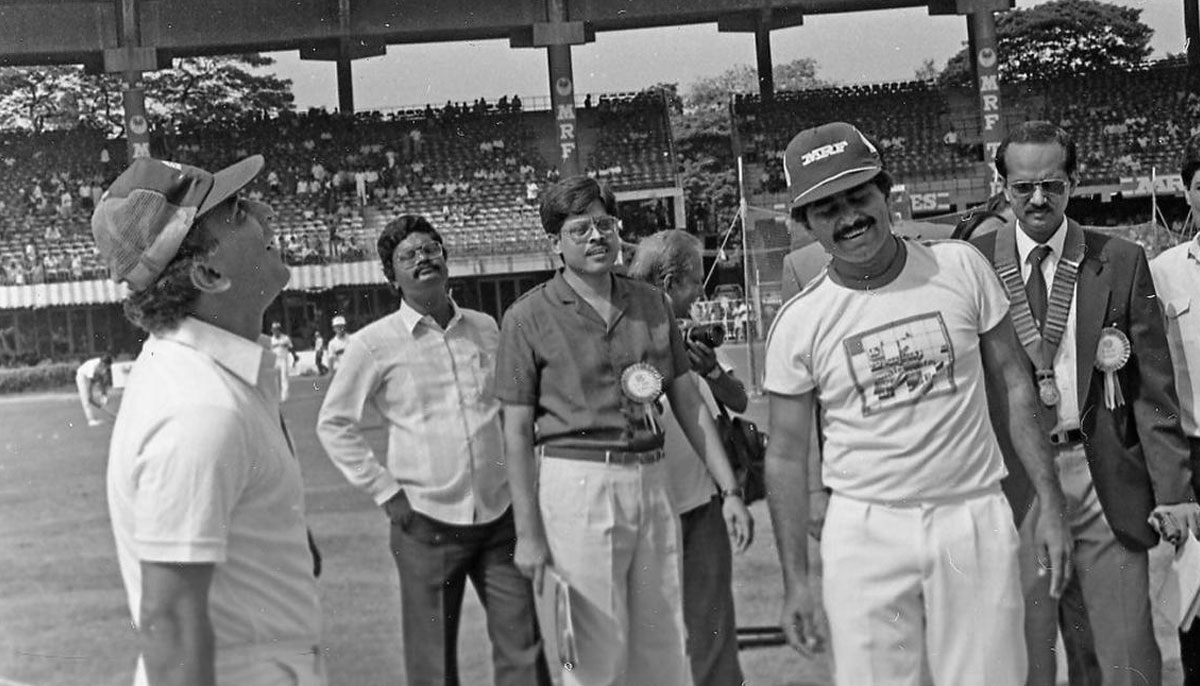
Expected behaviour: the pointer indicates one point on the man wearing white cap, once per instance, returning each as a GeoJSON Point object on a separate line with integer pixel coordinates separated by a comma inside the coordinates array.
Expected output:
{"type": "Point", "coordinates": [337, 345]}
{"type": "Point", "coordinates": [204, 491]}
{"type": "Point", "coordinates": [893, 340]}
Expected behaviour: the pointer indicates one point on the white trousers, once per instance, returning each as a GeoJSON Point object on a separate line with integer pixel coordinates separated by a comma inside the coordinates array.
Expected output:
{"type": "Point", "coordinates": [614, 538]}
{"type": "Point", "coordinates": [924, 592]}
{"type": "Point", "coordinates": [84, 385]}
{"type": "Point", "coordinates": [261, 666]}
{"type": "Point", "coordinates": [284, 369]}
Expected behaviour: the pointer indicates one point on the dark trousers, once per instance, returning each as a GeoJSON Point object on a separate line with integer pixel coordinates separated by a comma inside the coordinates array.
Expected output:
{"type": "Point", "coordinates": [1105, 609]}
{"type": "Point", "coordinates": [1189, 654]}
{"type": "Point", "coordinates": [434, 560]}
{"type": "Point", "coordinates": [708, 610]}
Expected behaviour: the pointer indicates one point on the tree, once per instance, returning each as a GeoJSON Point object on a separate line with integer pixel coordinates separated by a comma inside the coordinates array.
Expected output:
{"type": "Point", "coordinates": [207, 89]}
{"type": "Point", "coordinates": [44, 97]}
{"type": "Point", "coordinates": [713, 92]}
{"type": "Point", "coordinates": [702, 134]}
{"type": "Point", "coordinates": [1061, 38]}
{"type": "Point", "coordinates": [195, 89]}
{"type": "Point", "coordinates": [928, 71]}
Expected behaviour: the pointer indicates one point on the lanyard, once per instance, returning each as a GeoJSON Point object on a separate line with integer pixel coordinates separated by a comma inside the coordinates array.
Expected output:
{"type": "Point", "coordinates": [1040, 346]}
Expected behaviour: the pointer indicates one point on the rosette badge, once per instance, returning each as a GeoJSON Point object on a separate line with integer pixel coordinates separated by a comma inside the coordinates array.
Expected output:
{"type": "Point", "coordinates": [1112, 352]}
{"type": "Point", "coordinates": [642, 384]}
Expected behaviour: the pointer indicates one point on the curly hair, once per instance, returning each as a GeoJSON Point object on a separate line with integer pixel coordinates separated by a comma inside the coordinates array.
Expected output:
{"type": "Point", "coordinates": [394, 233]}
{"type": "Point", "coordinates": [161, 306]}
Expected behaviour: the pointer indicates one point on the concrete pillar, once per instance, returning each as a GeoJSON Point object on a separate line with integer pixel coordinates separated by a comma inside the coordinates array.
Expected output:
{"type": "Point", "coordinates": [562, 94]}
{"type": "Point", "coordinates": [987, 78]}
{"type": "Point", "coordinates": [766, 68]}
{"type": "Point", "coordinates": [345, 76]}
{"type": "Point", "coordinates": [1191, 31]}
{"type": "Point", "coordinates": [345, 83]}
{"type": "Point", "coordinates": [137, 126]}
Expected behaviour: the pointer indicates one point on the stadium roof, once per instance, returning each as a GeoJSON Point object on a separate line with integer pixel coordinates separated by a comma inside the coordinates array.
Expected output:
{"type": "Point", "coordinates": [34, 32]}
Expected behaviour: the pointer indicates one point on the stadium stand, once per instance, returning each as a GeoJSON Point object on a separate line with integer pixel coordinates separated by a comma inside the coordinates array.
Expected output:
{"type": "Point", "coordinates": [336, 180]}
{"type": "Point", "coordinates": [1126, 122]}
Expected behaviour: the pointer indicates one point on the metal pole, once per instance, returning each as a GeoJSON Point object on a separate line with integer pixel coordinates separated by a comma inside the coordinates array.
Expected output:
{"type": "Point", "coordinates": [756, 309]}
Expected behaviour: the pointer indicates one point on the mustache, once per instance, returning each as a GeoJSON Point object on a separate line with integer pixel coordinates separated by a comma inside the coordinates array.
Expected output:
{"type": "Point", "coordinates": [859, 224]}
{"type": "Point", "coordinates": [427, 264]}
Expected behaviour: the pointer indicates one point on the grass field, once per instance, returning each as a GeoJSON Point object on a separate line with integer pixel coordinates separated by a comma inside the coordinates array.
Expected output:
{"type": "Point", "coordinates": [63, 615]}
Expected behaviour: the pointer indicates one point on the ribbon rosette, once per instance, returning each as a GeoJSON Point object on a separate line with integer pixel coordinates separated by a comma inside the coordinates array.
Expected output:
{"type": "Point", "coordinates": [642, 384]}
{"type": "Point", "coordinates": [1112, 352]}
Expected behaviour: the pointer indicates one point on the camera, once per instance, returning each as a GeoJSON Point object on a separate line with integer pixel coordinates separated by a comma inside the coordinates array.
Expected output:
{"type": "Point", "coordinates": [712, 335]}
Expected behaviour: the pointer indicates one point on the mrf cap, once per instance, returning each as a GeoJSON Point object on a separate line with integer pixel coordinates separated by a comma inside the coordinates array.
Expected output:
{"type": "Point", "coordinates": [827, 160]}
{"type": "Point", "coordinates": [146, 213]}
{"type": "Point", "coordinates": [339, 321]}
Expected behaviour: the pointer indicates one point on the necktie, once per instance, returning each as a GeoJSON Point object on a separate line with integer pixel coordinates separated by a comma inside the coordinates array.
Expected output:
{"type": "Point", "coordinates": [1035, 286]}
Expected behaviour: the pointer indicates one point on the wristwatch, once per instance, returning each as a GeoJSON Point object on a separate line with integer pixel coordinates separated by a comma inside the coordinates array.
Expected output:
{"type": "Point", "coordinates": [733, 492]}
{"type": "Point", "coordinates": [715, 373]}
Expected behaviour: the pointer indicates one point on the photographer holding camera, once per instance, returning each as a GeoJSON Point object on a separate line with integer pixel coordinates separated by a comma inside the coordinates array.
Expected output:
{"type": "Point", "coordinates": [671, 260]}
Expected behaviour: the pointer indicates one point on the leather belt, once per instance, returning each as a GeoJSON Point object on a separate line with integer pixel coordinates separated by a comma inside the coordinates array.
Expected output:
{"type": "Point", "coordinates": [1066, 437]}
{"type": "Point", "coordinates": [620, 457]}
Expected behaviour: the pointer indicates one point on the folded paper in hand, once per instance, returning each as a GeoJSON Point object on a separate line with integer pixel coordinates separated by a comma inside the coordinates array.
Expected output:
{"type": "Point", "coordinates": [554, 617]}
{"type": "Point", "coordinates": [1179, 595]}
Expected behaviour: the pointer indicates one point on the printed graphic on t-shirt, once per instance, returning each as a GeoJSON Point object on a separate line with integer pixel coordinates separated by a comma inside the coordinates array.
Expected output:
{"type": "Point", "coordinates": [901, 363]}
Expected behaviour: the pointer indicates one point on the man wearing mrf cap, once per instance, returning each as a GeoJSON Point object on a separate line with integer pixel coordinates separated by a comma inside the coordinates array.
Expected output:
{"type": "Point", "coordinates": [204, 491]}
{"type": "Point", "coordinates": [893, 340]}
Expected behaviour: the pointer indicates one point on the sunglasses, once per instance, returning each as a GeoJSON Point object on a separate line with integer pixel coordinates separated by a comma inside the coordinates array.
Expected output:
{"type": "Point", "coordinates": [431, 249]}
{"type": "Point", "coordinates": [580, 230]}
{"type": "Point", "coordinates": [1047, 186]}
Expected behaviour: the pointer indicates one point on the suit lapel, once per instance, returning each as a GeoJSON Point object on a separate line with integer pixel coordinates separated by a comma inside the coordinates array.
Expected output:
{"type": "Point", "coordinates": [1092, 291]}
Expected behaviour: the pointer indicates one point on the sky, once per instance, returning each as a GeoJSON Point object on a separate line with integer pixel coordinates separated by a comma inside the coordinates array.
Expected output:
{"type": "Point", "coordinates": [860, 47]}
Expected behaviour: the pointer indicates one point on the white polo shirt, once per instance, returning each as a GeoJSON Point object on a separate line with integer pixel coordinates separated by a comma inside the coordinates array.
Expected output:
{"type": "Point", "coordinates": [200, 471]}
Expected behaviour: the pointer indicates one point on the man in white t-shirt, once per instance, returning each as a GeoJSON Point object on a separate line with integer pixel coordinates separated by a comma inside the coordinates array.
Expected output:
{"type": "Point", "coordinates": [672, 261]}
{"type": "Point", "coordinates": [285, 356]}
{"type": "Point", "coordinates": [93, 378]}
{"type": "Point", "coordinates": [893, 340]}
{"type": "Point", "coordinates": [204, 492]}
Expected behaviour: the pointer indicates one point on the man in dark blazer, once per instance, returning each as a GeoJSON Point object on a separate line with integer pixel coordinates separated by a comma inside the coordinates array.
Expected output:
{"type": "Point", "coordinates": [1099, 355]}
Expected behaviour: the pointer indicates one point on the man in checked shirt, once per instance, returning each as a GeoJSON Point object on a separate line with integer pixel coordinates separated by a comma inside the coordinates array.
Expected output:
{"type": "Point", "coordinates": [428, 370]}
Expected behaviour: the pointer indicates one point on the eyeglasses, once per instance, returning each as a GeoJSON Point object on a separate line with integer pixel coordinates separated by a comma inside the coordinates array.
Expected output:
{"type": "Point", "coordinates": [1048, 187]}
{"type": "Point", "coordinates": [431, 249]}
{"type": "Point", "coordinates": [580, 230]}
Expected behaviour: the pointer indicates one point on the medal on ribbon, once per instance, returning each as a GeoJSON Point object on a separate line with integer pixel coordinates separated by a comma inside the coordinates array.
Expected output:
{"type": "Point", "coordinates": [642, 384]}
{"type": "Point", "coordinates": [1047, 388]}
{"type": "Point", "coordinates": [1112, 352]}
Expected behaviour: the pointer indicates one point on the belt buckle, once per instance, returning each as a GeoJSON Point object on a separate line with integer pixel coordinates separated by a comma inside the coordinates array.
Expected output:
{"type": "Point", "coordinates": [1065, 437]}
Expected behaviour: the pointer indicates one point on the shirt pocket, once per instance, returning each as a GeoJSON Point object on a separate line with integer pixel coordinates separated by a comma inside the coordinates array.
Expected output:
{"type": "Point", "coordinates": [483, 366]}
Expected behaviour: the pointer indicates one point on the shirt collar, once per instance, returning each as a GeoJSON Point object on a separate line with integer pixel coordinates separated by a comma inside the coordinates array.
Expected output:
{"type": "Point", "coordinates": [241, 357]}
{"type": "Point", "coordinates": [1025, 244]}
{"type": "Point", "coordinates": [561, 290]}
{"type": "Point", "coordinates": [411, 318]}
{"type": "Point", "coordinates": [1194, 248]}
